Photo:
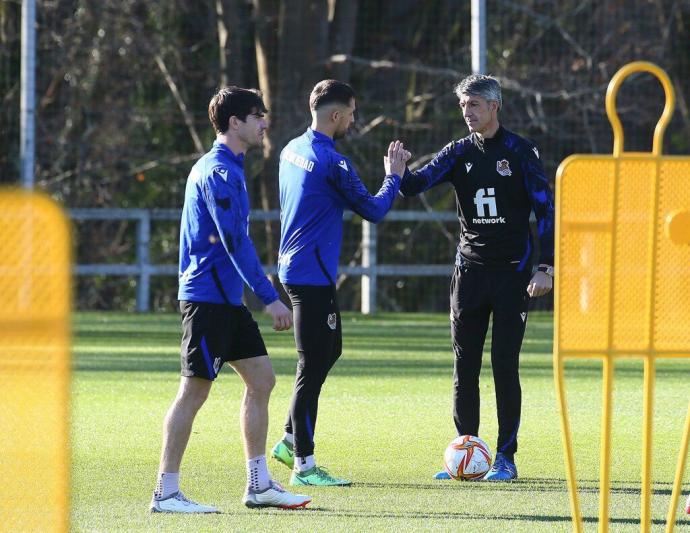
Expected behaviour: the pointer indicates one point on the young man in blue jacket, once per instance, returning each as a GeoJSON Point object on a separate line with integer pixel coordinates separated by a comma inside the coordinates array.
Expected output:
{"type": "Point", "coordinates": [217, 258]}
{"type": "Point", "coordinates": [498, 180]}
{"type": "Point", "coordinates": [316, 184]}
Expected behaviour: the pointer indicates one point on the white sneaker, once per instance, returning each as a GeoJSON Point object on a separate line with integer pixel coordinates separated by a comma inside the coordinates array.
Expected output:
{"type": "Point", "coordinates": [274, 496]}
{"type": "Point", "coordinates": [179, 503]}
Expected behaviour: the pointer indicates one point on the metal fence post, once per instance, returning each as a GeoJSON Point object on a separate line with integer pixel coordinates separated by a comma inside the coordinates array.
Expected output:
{"type": "Point", "coordinates": [27, 127]}
{"type": "Point", "coordinates": [143, 238]}
{"type": "Point", "coordinates": [478, 23]}
{"type": "Point", "coordinates": [369, 264]}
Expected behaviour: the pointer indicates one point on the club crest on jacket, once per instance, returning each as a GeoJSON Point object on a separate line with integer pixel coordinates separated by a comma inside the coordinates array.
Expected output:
{"type": "Point", "coordinates": [503, 168]}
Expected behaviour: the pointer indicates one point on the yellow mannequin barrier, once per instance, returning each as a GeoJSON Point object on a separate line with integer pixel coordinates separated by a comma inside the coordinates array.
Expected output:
{"type": "Point", "coordinates": [34, 363]}
{"type": "Point", "coordinates": [622, 288]}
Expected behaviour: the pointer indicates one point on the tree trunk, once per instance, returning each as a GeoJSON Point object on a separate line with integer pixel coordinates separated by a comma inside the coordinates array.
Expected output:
{"type": "Point", "coordinates": [265, 43]}
{"type": "Point", "coordinates": [342, 36]}
{"type": "Point", "coordinates": [298, 31]}
{"type": "Point", "coordinates": [233, 23]}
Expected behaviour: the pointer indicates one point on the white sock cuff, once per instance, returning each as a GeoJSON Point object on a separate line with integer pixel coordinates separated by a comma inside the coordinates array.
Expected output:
{"type": "Point", "coordinates": [258, 477]}
{"type": "Point", "coordinates": [302, 464]}
{"type": "Point", "coordinates": [168, 484]}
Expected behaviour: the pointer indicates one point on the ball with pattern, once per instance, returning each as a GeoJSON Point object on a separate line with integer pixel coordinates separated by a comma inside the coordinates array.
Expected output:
{"type": "Point", "coordinates": [467, 457]}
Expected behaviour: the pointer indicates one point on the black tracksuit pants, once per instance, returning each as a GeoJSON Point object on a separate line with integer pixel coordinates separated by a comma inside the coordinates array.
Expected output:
{"type": "Point", "coordinates": [475, 294]}
{"type": "Point", "coordinates": [318, 337]}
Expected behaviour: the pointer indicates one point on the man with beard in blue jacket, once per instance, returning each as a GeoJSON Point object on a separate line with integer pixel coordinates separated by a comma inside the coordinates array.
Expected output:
{"type": "Point", "coordinates": [317, 184]}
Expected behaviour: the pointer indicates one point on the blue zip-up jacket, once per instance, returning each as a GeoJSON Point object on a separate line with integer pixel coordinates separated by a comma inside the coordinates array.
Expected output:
{"type": "Point", "coordinates": [316, 185]}
{"type": "Point", "coordinates": [497, 182]}
{"type": "Point", "coordinates": [216, 253]}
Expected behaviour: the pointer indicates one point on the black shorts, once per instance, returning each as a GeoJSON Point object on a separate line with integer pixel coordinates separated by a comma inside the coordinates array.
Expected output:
{"type": "Point", "coordinates": [215, 333]}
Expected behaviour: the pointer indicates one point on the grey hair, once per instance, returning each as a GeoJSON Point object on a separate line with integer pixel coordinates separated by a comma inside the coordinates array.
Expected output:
{"type": "Point", "coordinates": [487, 87]}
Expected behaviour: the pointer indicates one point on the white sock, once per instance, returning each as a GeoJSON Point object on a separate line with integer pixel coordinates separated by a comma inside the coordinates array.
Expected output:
{"type": "Point", "coordinates": [168, 484]}
{"type": "Point", "coordinates": [289, 437]}
{"type": "Point", "coordinates": [257, 473]}
{"type": "Point", "coordinates": [302, 464]}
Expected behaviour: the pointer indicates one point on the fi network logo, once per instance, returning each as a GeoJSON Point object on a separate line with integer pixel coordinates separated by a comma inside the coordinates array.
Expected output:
{"type": "Point", "coordinates": [486, 198]}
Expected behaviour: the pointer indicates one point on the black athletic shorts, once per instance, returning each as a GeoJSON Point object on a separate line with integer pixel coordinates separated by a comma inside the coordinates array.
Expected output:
{"type": "Point", "coordinates": [215, 333]}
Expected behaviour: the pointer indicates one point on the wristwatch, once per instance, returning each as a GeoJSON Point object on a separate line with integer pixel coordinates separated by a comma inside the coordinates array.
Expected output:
{"type": "Point", "coordinates": [548, 270]}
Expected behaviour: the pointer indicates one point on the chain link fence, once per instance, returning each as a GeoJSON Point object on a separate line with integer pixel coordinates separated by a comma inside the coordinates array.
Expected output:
{"type": "Point", "coordinates": [122, 89]}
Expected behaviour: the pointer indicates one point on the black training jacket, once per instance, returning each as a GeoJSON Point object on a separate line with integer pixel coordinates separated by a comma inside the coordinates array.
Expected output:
{"type": "Point", "coordinates": [498, 182]}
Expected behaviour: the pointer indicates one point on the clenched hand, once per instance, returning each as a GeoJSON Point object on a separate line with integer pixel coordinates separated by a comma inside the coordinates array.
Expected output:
{"type": "Point", "coordinates": [282, 316]}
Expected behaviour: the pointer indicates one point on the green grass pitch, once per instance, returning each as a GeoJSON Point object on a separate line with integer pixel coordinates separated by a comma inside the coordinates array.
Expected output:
{"type": "Point", "coordinates": [384, 421]}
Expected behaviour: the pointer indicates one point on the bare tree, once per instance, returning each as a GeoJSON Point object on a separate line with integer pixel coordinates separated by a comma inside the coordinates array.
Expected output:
{"type": "Point", "coordinates": [233, 21]}
{"type": "Point", "coordinates": [286, 76]}
{"type": "Point", "coordinates": [343, 29]}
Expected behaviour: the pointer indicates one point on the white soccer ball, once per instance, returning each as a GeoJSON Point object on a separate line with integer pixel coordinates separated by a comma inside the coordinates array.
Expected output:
{"type": "Point", "coordinates": [467, 457]}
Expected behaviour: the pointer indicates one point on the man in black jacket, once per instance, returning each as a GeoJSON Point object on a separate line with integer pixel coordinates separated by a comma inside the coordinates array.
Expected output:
{"type": "Point", "coordinates": [498, 180]}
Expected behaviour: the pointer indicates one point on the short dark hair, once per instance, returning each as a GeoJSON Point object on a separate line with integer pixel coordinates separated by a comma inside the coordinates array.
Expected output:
{"type": "Point", "coordinates": [487, 87]}
{"type": "Point", "coordinates": [330, 92]}
{"type": "Point", "coordinates": [232, 101]}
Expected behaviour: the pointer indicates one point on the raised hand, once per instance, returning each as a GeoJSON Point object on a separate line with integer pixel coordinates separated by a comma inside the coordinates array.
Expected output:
{"type": "Point", "coordinates": [395, 161]}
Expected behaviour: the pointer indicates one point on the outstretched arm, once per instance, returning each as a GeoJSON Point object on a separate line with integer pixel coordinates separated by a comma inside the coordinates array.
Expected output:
{"type": "Point", "coordinates": [371, 207]}
{"type": "Point", "coordinates": [438, 170]}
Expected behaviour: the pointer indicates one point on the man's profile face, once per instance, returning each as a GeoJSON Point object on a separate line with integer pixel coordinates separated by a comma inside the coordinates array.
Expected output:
{"type": "Point", "coordinates": [251, 131]}
{"type": "Point", "coordinates": [478, 112]}
{"type": "Point", "coordinates": [345, 119]}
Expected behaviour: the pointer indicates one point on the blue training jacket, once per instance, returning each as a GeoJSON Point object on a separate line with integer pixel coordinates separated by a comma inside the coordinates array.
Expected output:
{"type": "Point", "coordinates": [216, 253]}
{"type": "Point", "coordinates": [316, 185]}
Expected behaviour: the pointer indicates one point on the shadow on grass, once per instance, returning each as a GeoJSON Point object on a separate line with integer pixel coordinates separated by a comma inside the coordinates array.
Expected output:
{"type": "Point", "coordinates": [281, 366]}
{"type": "Point", "coordinates": [381, 367]}
{"type": "Point", "coordinates": [405, 344]}
{"type": "Point", "coordinates": [425, 329]}
{"type": "Point", "coordinates": [355, 366]}
{"type": "Point", "coordinates": [454, 515]}
{"type": "Point", "coordinates": [160, 336]}
{"type": "Point", "coordinates": [525, 485]}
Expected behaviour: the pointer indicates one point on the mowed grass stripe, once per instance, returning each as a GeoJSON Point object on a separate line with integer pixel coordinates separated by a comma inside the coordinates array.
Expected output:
{"type": "Point", "coordinates": [384, 420]}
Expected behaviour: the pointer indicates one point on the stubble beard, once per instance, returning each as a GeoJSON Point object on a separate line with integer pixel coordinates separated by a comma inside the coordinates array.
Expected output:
{"type": "Point", "coordinates": [256, 141]}
{"type": "Point", "coordinates": [339, 134]}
